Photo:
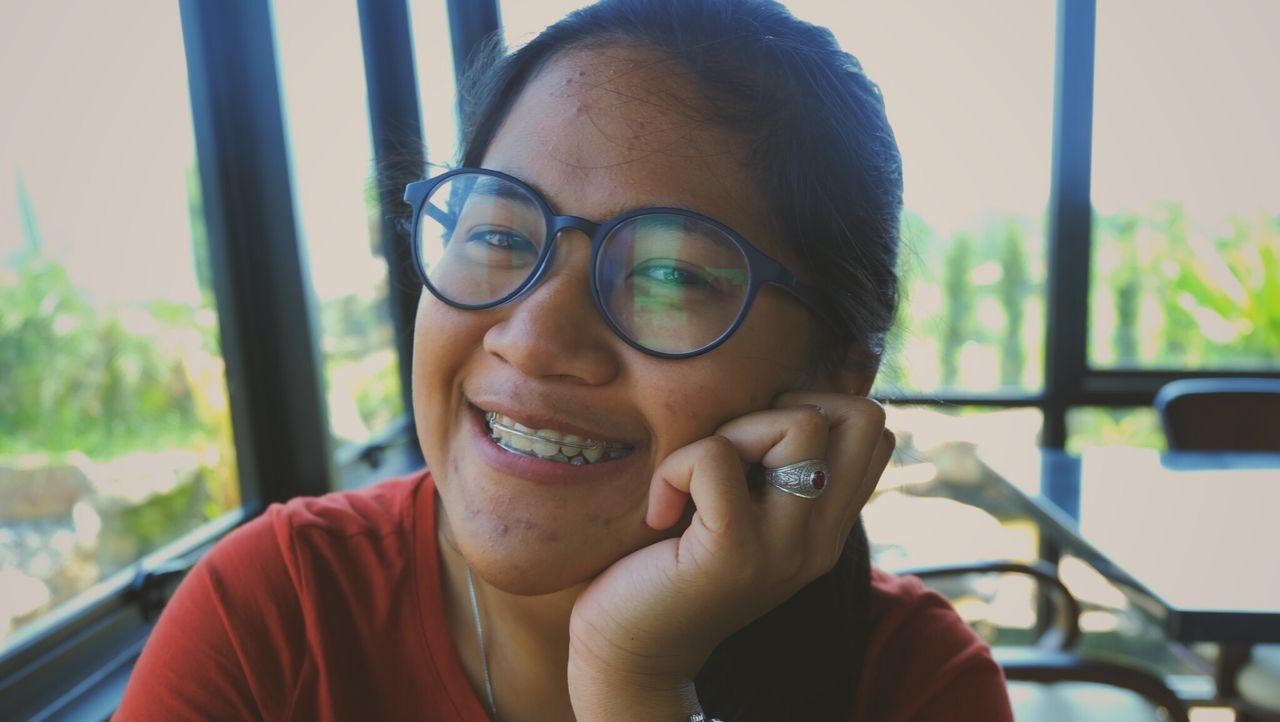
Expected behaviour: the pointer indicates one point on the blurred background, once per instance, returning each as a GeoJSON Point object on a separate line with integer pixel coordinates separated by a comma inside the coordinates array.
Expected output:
{"type": "Point", "coordinates": [119, 430]}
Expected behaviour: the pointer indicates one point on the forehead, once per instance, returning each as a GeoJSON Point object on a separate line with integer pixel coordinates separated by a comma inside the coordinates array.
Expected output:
{"type": "Point", "coordinates": [602, 130]}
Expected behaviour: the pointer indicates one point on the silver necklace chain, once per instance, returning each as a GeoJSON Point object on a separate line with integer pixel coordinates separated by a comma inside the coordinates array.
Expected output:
{"type": "Point", "coordinates": [484, 654]}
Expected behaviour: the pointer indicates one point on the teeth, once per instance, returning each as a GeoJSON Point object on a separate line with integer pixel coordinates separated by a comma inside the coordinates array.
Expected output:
{"type": "Point", "coordinates": [542, 447]}
{"type": "Point", "coordinates": [549, 443]}
{"type": "Point", "coordinates": [522, 443]}
{"type": "Point", "coordinates": [573, 445]}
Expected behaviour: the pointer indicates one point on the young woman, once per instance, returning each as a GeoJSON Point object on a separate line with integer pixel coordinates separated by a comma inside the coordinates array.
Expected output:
{"type": "Point", "coordinates": [656, 294]}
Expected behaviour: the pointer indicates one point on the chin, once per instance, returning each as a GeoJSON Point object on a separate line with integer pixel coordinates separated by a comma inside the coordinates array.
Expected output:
{"type": "Point", "coordinates": [526, 582]}
{"type": "Point", "coordinates": [530, 572]}
{"type": "Point", "coordinates": [517, 550]}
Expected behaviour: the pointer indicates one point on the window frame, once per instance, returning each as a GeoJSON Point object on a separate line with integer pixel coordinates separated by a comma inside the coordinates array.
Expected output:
{"type": "Point", "coordinates": [80, 658]}
{"type": "Point", "coordinates": [78, 662]}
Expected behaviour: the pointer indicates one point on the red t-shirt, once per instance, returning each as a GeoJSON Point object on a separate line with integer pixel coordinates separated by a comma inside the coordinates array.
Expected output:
{"type": "Point", "coordinates": [329, 608]}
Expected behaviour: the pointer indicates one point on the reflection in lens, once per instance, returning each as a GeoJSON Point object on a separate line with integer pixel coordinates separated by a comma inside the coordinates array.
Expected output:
{"type": "Point", "coordinates": [673, 284]}
{"type": "Point", "coordinates": [479, 237]}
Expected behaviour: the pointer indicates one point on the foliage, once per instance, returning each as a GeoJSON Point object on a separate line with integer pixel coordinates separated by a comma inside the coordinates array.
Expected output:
{"type": "Point", "coordinates": [75, 379]}
{"type": "Point", "coordinates": [958, 294]}
{"type": "Point", "coordinates": [1183, 296]}
{"type": "Point", "coordinates": [1013, 290]}
{"type": "Point", "coordinates": [1166, 292]}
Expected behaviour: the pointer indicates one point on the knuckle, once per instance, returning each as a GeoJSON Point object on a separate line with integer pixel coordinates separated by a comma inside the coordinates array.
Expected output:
{"type": "Point", "coordinates": [718, 448]}
{"type": "Point", "coordinates": [890, 440]}
{"type": "Point", "coordinates": [869, 411]}
{"type": "Point", "coordinates": [808, 421]}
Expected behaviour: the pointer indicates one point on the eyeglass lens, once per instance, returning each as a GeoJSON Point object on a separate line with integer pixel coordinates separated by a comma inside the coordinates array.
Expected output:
{"type": "Point", "coordinates": [669, 282]}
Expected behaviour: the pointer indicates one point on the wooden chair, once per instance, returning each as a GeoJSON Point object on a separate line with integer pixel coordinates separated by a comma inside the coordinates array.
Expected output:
{"type": "Point", "coordinates": [1230, 414]}
{"type": "Point", "coordinates": [1048, 681]}
{"type": "Point", "coordinates": [1221, 414]}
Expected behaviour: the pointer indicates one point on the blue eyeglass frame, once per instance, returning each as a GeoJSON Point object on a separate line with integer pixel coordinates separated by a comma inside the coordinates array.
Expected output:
{"type": "Point", "coordinates": [761, 268]}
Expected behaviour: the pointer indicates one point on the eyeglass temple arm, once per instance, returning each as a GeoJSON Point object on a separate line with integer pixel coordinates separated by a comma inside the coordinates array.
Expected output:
{"type": "Point", "coordinates": [440, 216]}
{"type": "Point", "coordinates": [414, 194]}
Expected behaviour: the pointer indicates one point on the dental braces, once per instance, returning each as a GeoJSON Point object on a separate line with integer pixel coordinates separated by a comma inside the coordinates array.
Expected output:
{"type": "Point", "coordinates": [492, 416]}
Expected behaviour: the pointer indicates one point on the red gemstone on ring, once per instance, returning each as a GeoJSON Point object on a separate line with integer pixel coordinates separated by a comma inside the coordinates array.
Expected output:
{"type": "Point", "coordinates": [819, 480]}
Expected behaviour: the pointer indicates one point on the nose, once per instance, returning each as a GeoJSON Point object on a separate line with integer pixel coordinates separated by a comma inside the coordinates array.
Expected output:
{"type": "Point", "coordinates": [554, 330]}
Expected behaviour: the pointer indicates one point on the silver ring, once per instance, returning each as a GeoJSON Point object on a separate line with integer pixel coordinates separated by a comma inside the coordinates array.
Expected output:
{"type": "Point", "coordinates": [806, 478]}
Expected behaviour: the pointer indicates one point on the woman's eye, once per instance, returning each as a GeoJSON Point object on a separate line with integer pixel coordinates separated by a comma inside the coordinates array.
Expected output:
{"type": "Point", "coordinates": [498, 239]}
{"type": "Point", "coordinates": [673, 275]}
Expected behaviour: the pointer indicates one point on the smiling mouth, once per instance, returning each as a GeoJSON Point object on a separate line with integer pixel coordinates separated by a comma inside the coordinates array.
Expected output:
{"type": "Point", "coordinates": [549, 444]}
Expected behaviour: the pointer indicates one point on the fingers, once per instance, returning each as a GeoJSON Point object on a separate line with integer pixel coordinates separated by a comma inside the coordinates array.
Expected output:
{"type": "Point", "coordinates": [711, 471]}
{"type": "Point", "coordinates": [780, 436]}
{"type": "Point", "coordinates": [858, 449]}
{"type": "Point", "coordinates": [804, 535]}
{"type": "Point", "coordinates": [775, 438]}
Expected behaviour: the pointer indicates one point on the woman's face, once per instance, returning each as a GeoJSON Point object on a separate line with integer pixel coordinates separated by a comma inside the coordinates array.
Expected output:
{"type": "Point", "coordinates": [596, 132]}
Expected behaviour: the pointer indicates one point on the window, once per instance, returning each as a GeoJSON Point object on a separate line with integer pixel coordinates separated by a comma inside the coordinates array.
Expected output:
{"type": "Point", "coordinates": [112, 366]}
{"type": "Point", "coordinates": [969, 95]}
{"type": "Point", "coordinates": [323, 88]}
{"type": "Point", "coordinates": [117, 434]}
{"type": "Point", "coordinates": [1186, 187]}
{"type": "Point", "coordinates": [436, 83]}
{"type": "Point", "coordinates": [1093, 426]}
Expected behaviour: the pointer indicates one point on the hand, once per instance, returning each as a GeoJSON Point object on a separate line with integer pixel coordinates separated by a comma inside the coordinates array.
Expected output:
{"type": "Point", "coordinates": [654, 617]}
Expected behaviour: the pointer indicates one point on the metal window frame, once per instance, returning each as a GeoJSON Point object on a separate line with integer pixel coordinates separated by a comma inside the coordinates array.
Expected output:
{"type": "Point", "coordinates": [471, 24]}
{"type": "Point", "coordinates": [1069, 381]}
{"type": "Point", "coordinates": [395, 123]}
{"type": "Point", "coordinates": [275, 377]}
{"type": "Point", "coordinates": [76, 663]}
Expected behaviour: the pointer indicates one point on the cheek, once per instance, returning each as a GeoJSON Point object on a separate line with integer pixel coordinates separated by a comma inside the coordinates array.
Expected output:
{"type": "Point", "coordinates": [696, 407]}
{"type": "Point", "coordinates": [692, 400]}
{"type": "Point", "coordinates": [441, 337]}
{"type": "Point", "coordinates": [441, 340]}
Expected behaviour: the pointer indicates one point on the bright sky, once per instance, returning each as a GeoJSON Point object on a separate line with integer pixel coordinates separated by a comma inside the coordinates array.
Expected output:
{"type": "Point", "coordinates": [97, 119]}
{"type": "Point", "coordinates": [97, 123]}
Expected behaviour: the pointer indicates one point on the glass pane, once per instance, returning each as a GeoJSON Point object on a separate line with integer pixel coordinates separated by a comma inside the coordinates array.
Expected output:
{"type": "Point", "coordinates": [433, 51]}
{"type": "Point", "coordinates": [937, 481]}
{"type": "Point", "coordinates": [1094, 426]}
{"type": "Point", "coordinates": [113, 402]}
{"type": "Point", "coordinates": [1186, 186]}
{"type": "Point", "coordinates": [323, 84]}
{"type": "Point", "coordinates": [969, 93]}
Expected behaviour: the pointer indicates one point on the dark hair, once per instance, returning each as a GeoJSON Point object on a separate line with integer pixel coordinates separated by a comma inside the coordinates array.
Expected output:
{"type": "Point", "coordinates": [829, 166]}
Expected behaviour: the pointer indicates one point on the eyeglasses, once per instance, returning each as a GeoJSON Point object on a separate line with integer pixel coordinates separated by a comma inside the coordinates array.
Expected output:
{"type": "Point", "coordinates": [670, 282]}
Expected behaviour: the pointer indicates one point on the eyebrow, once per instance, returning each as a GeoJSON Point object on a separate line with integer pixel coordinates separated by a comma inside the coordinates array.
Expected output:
{"type": "Point", "coordinates": [491, 186]}
{"type": "Point", "coordinates": [497, 188]}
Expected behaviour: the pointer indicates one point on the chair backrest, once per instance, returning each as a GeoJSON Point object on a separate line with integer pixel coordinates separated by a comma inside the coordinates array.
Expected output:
{"type": "Point", "coordinates": [1221, 414]}
{"type": "Point", "coordinates": [1050, 682]}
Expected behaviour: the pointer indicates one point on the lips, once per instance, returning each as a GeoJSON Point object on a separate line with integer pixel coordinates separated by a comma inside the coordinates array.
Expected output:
{"type": "Point", "coordinates": [551, 444]}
